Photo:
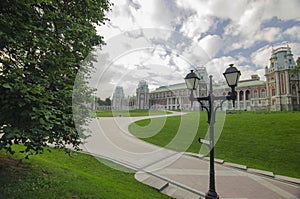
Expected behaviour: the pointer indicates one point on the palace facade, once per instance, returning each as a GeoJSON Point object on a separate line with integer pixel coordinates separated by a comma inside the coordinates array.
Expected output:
{"type": "Point", "coordinates": [279, 92]}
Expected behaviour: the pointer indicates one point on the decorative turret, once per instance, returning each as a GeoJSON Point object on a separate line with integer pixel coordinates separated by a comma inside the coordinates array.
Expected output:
{"type": "Point", "coordinates": [142, 87]}
{"type": "Point", "coordinates": [279, 80]}
{"type": "Point", "coordinates": [203, 82]}
{"type": "Point", "coordinates": [118, 98]}
{"type": "Point", "coordinates": [142, 93]}
{"type": "Point", "coordinates": [266, 70]}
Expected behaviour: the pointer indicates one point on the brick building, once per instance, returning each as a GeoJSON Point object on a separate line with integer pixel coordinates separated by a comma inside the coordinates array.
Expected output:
{"type": "Point", "coordinates": [279, 92]}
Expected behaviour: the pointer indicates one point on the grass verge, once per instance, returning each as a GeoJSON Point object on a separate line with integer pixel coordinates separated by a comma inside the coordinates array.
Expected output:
{"type": "Point", "coordinates": [57, 175]}
{"type": "Point", "coordinates": [129, 113]}
{"type": "Point", "coordinates": [262, 140]}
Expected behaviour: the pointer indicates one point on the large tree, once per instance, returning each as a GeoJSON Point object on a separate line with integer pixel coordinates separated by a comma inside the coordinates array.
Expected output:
{"type": "Point", "coordinates": [298, 64]}
{"type": "Point", "coordinates": [100, 102]}
{"type": "Point", "coordinates": [42, 44]}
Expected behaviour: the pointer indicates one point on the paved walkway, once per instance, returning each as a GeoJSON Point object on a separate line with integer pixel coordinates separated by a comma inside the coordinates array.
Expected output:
{"type": "Point", "coordinates": [181, 175]}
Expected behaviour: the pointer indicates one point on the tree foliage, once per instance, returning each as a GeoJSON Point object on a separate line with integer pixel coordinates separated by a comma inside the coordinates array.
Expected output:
{"type": "Point", "coordinates": [295, 71]}
{"type": "Point", "coordinates": [298, 64]}
{"type": "Point", "coordinates": [106, 102]}
{"type": "Point", "coordinates": [42, 43]}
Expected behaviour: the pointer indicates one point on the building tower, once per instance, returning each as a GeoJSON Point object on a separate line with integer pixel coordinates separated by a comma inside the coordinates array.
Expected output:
{"type": "Point", "coordinates": [118, 98]}
{"type": "Point", "coordinates": [142, 95]}
{"type": "Point", "coordinates": [282, 90]}
{"type": "Point", "coordinates": [203, 82]}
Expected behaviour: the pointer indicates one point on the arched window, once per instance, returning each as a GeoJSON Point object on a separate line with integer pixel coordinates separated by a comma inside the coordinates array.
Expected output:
{"type": "Point", "coordinates": [247, 95]}
{"type": "Point", "coordinates": [263, 93]}
{"type": "Point", "coordinates": [255, 94]}
{"type": "Point", "coordinates": [273, 92]}
{"type": "Point", "coordinates": [294, 90]}
{"type": "Point", "coordinates": [241, 95]}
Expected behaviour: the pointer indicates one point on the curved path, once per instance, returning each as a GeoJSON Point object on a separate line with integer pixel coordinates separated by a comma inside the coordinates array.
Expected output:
{"type": "Point", "coordinates": [181, 175]}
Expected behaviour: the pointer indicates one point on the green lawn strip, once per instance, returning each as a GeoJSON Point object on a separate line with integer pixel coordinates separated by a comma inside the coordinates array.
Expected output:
{"type": "Point", "coordinates": [162, 136]}
{"type": "Point", "coordinates": [57, 175]}
{"type": "Point", "coordinates": [267, 141]}
{"type": "Point", "coordinates": [262, 140]}
{"type": "Point", "coordinates": [129, 113]}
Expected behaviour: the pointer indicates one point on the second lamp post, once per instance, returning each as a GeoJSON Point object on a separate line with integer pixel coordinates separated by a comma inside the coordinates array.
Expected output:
{"type": "Point", "coordinates": [232, 76]}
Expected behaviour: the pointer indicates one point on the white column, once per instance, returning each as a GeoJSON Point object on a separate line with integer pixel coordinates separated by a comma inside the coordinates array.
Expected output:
{"type": "Point", "coordinates": [287, 78]}
{"type": "Point", "coordinates": [180, 102]}
{"type": "Point", "coordinates": [244, 99]}
{"type": "Point", "coordinates": [238, 100]}
{"type": "Point", "coordinates": [297, 93]}
{"type": "Point", "coordinates": [167, 103]}
{"type": "Point", "coordinates": [268, 96]}
{"type": "Point", "coordinates": [277, 84]}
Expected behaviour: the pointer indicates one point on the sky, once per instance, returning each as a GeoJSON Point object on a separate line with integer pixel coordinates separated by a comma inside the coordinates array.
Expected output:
{"type": "Point", "coordinates": [160, 41]}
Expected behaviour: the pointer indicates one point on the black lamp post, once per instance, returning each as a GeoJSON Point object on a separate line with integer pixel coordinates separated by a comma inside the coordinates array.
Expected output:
{"type": "Point", "coordinates": [232, 76]}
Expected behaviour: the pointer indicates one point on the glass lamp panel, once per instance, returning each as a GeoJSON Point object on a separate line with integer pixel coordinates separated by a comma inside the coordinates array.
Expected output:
{"type": "Point", "coordinates": [196, 83]}
{"type": "Point", "coordinates": [232, 78]}
{"type": "Point", "coordinates": [238, 77]}
{"type": "Point", "coordinates": [191, 80]}
{"type": "Point", "coordinates": [191, 83]}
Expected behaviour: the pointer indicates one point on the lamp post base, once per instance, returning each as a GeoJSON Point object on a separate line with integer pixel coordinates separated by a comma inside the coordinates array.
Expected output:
{"type": "Point", "coordinates": [211, 195]}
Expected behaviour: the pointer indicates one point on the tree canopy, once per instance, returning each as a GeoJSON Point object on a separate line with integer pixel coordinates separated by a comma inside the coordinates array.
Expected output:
{"type": "Point", "coordinates": [106, 102]}
{"type": "Point", "coordinates": [42, 44]}
{"type": "Point", "coordinates": [298, 64]}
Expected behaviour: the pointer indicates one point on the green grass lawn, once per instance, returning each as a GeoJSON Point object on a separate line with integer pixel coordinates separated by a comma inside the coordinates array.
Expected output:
{"type": "Point", "coordinates": [129, 113]}
{"type": "Point", "coordinates": [263, 140]}
{"type": "Point", "coordinates": [57, 175]}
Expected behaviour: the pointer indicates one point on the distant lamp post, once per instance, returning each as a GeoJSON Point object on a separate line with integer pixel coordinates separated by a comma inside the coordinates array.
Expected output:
{"type": "Point", "coordinates": [232, 76]}
{"type": "Point", "coordinates": [192, 80]}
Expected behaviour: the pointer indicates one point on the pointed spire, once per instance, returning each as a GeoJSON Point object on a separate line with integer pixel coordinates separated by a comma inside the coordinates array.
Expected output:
{"type": "Point", "coordinates": [288, 47]}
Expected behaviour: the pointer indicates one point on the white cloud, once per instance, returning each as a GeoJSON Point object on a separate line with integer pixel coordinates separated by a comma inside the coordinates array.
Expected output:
{"type": "Point", "coordinates": [261, 56]}
{"type": "Point", "coordinates": [127, 15]}
{"type": "Point", "coordinates": [248, 70]}
{"type": "Point", "coordinates": [211, 44]}
{"type": "Point", "coordinates": [198, 16]}
{"type": "Point", "coordinates": [249, 39]}
{"type": "Point", "coordinates": [282, 9]}
{"type": "Point", "coordinates": [271, 34]}
{"type": "Point", "coordinates": [295, 50]}
{"type": "Point", "coordinates": [245, 20]}
{"type": "Point", "coordinates": [195, 25]}
{"type": "Point", "coordinates": [217, 66]}
{"type": "Point", "coordinates": [198, 6]}
{"type": "Point", "coordinates": [152, 14]}
{"type": "Point", "coordinates": [250, 21]}
{"type": "Point", "coordinates": [226, 9]}
{"type": "Point", "coordinates": [219, 27]}
{"type": "Point", "coordinates": [293, 32]}
{"type": "Point", "coordinates": [195, 55]}
{"type": "Point", "coordinates": [248, 29]}
{"type": "Point", "coordinates": [245, 28]}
